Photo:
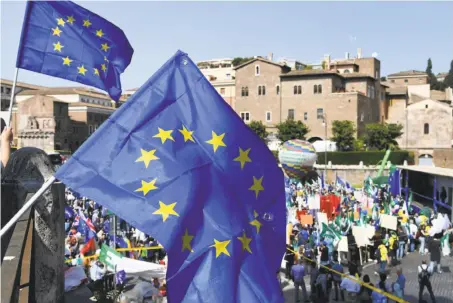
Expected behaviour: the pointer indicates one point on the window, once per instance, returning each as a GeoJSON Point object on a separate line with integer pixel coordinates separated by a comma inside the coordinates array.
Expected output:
{"type": "Point", "coordinates": [320, 113]}
{"type": "Point", "coordinates": [245, 116]}
{"type": "Point", "coordinates": [8, 90]}
{"type": "Point", "coordinates": [373, 94]}
{"type": "Point", "coordinates": [305, 116]}
{"type": "Point", "coordinates": [268, 117]}
{"type": "Point", "coordinates": [299, 90]}
{"type": "Point", "coordinates": [277, 89]}
{"type": "Point", "coordinates": [245, 91]}
{"type": "Point", "coordinates": [259, 90]}
{"type": "Point", "coordinates": [376, 74]}
{"type": "Point", "coordinates": [426, 129]}
{"type": "Point", "coordinates": [228, 76]}
{"type": "Point", "coordinates": [257, 70]}
{"type": "Point", "coordinates": [2, 89]}
{"type": "Point", "coordinates": [90, 129]}
{"type": "Point", "coordinates": [346, 71]}
{"type": "Point", "coordinates": [393, 81]}
{"type": "Point", "coordinates": [382, 96]}
{"type": "Point", "coordinates": [317, 89]}
{"type": "Point", "coordinates": [264, 90]}
{"type": "Point", "coordinates": [290, 114]}
{"type": "Point", "coordinates": [405, 80]}
{"type": "Point", "coordinates": [426, 105]}
{"type": "Point", "coordinates": [222, 91]}
{"type": "Point", "coordinates": [295, 89]}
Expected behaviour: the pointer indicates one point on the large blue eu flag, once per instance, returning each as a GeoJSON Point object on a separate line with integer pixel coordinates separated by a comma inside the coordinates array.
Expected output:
{"type": "Point", "coordinates": [178, 163]}
{"type": "Point", "coordinates": [64, 40]}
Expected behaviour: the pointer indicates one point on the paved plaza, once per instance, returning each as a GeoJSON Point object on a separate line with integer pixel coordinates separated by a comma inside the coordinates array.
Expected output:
{"type": "Point", "coordinates": [442, 283]}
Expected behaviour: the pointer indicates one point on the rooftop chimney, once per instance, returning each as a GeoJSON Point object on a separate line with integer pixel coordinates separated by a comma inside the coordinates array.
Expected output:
{"type": "Point", "coordinates": [327, 61]}
{"type": "Point", "coordinates": [346, 55]}
{"type": "Point", "coordinates": [359, 53]}
{"type": "Point", "coordinates": [270, 56]}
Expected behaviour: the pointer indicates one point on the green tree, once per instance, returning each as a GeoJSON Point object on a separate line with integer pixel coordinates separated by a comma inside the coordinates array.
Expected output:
{"type": "Point", "coordinates": [308, 67]}
{"type": "Point", "coordinates": [448, 82]}
{"type": "Point", "coordinates": [343, 134]}
{"type": "Point", "coordinates": [359, 145]}
{"type": "Point", "coordinates": [382, 136]}
{"type": "Point", "coordinates": [240, 60]}
{"type": "Point", "coordinates": [260, 129]}
{"type": "Point", "coordinates": [432, 80]}
{"type": "Point", "coordinates": [291, 129]}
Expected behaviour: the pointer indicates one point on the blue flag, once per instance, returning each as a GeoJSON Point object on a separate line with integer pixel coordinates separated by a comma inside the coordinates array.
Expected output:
{"type": "Point", "coordinates": [179, 164]}
{"type": "Point", "coordinates": [64, 40]}
{"type": "Point", "coordinates": [394, 182]}
{"type": "Point", "coordinates": [68, 212]}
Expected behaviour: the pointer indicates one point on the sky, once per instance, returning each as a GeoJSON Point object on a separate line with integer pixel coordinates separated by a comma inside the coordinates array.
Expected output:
{"type": "Point", "coordinates": [403, 34]}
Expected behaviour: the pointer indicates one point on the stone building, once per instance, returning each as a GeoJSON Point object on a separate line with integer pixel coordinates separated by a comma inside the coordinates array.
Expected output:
{"type": "Point", "coordinates": [86, 109]}
{"type": "Point", "coordinates": [346, 89]}
{"type": "Point", "coordinates": [6, 90]}
{"type": "Point", "coordinates": [43, 123]}
{"type": "Point", "coordinates": [410, 77]}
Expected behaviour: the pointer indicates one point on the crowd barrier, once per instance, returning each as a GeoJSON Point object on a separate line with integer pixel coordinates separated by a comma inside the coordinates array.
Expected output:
{"type": "Point", "coordinates": [388, 295]}
{"type": "Point", "coordinates": [120, 250]}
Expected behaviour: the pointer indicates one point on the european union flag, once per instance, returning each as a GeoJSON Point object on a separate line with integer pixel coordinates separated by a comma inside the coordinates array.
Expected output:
{"type": "Point", "coordinates": [64, 40]}
{"type": "Point", "coordinates": [179, 164]}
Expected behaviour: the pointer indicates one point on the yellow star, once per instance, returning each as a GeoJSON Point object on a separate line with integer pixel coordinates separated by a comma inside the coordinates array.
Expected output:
{"type": "Point", "coordinates": [221, 247]}
{"type": "Point", "coordinates": [99, 33]}
{"type": "Point", "coordinates": [147, 187]}
{"type": "Point", "coordinates": [166, 210]}
{"type": "Point", "coordinates": [186, 239]}
{"type": "Point", "coordinates": [82, 70]}
{"type": "Point", "coordinates": [105, 47]}
{"type": "Point", "coordinates": [257, 224]}
{"type": "Point", "coordinates": [187, 134]}
{"type": "Point", "coordinates": [57, 46]}
{"type": "Point", "coordinates": [147, 156]}
{"type": "Point", "coordinates": [255, 214]}
{"type": "Point", "coordinates": [245, 242]}
{"type": "Point", "coordinates": [67, 61]}
{"type": "Point", "coordinates": [164, 135]}
{"type": "Point", "coordinates": [60, 21]}
{"type": "Point", "coordinates": [216, 141]}
{"type": "Point", "coordinates": [257, 186]}
{"type": "Point", "coordinates": [56, 31]}
{"type": "Point", "coordinates": [70, 19]}
{"type": "Point", "coordinates": [243, 157]}
{"type": "Point", "coordinates": [86, 23]}
{"type": "Point", "coordinates": [103, 67]}
{"type": "Point", "coordinates": [96, 71]}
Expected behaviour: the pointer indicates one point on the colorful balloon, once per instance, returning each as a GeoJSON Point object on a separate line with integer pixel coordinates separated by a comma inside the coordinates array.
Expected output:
{"type": "Point", "coordinates": [297, 158]}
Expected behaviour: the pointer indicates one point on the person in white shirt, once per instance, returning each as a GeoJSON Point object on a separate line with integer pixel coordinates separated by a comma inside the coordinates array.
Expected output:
{"type": "Point", "coordinates": [412, 234]}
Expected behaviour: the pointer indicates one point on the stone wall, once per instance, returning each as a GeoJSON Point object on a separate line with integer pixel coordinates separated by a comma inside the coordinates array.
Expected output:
{"type": "Point", "coordinates": [354, 174]}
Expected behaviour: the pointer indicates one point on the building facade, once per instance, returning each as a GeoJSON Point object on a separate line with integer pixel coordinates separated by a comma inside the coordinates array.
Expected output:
{"type": "Point", "coordinates": [410, 77]}
{"type": "Point", "coordinates": [6, 90]}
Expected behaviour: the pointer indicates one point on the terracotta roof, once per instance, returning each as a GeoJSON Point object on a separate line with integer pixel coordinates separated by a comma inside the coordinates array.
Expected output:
{"type": "Point", "coordinates": [259, 59]}
{"type": "Point", "coordinates": [310, 72]}
{"type": "Point", "coordinates": [408, 73]}
{"type": "Point", "coordinates": [65, 91]}
{"type": "Point", "coordinates": [397, 90]}
{"type": "Point", "coordinates": [21, 84]}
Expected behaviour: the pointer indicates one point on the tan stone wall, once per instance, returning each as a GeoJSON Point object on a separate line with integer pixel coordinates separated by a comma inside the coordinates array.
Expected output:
{"type": "Point", "coordinates": [397, 114]}
{"type": "Point", "coordinates": [443, 157]}
{"type": "Point", "coordinates": [410, 80]}
{"type": "Point", "coordinates": [351, 173]}
{"type": "Point", "coordinates": [356, 85]}
{"type": "Point", "coordinates": [256, 104]}
{"type": "Point", "coordinates": [369, 66]}
{"type": "Point", "coordinates": [438, 117]}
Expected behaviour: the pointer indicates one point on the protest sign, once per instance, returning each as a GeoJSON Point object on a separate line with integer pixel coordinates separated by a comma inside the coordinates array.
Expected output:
{"type": "Point", "coordinates": [109, 256]}
{"type": "Point", "coordinates": [322, 218]}
{"type": "Point", "coordinates": [388, 221]}
{"type": "Point", "coordinates": [306, 219]}
{"type": "Point", "coordinates": [343, 244]}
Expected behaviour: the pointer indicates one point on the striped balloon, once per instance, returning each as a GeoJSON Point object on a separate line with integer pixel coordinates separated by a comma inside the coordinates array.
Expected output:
{"type": "Point", "coordinates": [297, 158]}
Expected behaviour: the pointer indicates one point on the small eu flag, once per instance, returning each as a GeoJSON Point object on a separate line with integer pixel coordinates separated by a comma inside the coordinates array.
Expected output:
{"type": "Point", "coordinates": [64, 40]}
{"type": "Point", "coordinates": [179, 164]}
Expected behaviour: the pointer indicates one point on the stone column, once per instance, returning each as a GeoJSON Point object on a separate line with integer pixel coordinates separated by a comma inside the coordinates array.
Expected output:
{"type": "Point", "coordinates": [28, 169]}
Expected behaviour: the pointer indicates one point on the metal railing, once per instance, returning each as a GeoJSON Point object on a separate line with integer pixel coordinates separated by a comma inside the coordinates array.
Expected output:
{"type": "Point", "coordinates": [17, 261]}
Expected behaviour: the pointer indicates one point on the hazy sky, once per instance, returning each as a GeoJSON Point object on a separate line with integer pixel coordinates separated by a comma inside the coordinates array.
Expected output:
{"type": "Point", "coordinates": [404, 35]}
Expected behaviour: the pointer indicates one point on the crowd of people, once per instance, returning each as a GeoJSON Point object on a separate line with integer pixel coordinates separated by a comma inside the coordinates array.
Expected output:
{"type": "Point", "coordinates": [312, 249]}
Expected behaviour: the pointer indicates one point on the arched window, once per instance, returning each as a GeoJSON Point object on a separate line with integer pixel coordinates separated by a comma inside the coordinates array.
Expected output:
{"type": "Point", "coordinates": [257, 70]}
{"type": "Point", "coordinates": [319, 89]}
{"type": "Point", "coordinates": [264, 90]}
{"type": "Point", "coordinates": [277, 89]}
{"type": "Point", "coordinates": [426, 129]}
{"type": "Point", "coordinates": [346, 71]}
{"type": "Point", "coordinates": [299, 90]}
{"type": "Point", "coordinates": [259, 90]}
{"type": "Point", "coordinates": [243, 91]}
{"type": "Point", "coordinates": [295, 89]}
{"type": "Point", "coordinates": [315, 89]}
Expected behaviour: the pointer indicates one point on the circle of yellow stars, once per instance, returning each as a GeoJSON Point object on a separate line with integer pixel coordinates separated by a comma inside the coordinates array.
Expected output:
{"type": "Point", "coordinates": [167, 210]}
{"type": "Point", "coordinates": [66, 61]}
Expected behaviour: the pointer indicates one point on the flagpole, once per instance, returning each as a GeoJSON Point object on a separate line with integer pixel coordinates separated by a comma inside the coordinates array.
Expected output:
{"type": "Point", "coordinates": [27, 205]}
{"type": "Point", "coordinates": [11, 100]}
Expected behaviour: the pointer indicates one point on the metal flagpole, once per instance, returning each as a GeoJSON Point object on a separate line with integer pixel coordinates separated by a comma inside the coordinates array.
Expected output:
{"type": "Point", "coordinates": [11, 101]}
{"type": "Point", "coordinates": [27, 205]}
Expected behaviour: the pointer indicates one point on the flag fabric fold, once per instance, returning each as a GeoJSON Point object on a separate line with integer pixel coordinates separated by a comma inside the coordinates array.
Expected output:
{"type": "Point", "coordinates": [177, 163]}
{"type": "Point", "coordinates": [394, 181]}
{"type": "Point", "coordinates": [65, 40]}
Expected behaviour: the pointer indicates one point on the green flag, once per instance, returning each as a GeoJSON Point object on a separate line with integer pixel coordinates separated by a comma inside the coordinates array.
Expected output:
{"type": "Point", "coordinates": [109, 256]}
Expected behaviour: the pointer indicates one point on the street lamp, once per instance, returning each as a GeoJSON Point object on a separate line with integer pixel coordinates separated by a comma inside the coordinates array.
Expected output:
{"type": "Point", "coordinates": [324, 122]}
